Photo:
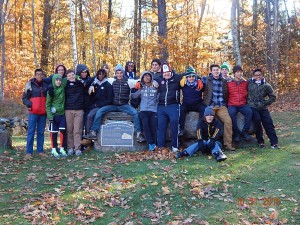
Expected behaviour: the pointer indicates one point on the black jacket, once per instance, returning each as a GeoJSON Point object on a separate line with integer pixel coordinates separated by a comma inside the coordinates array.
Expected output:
{"type": "Point", "coordinates": [74, 95]}
{"type": "Point", "coordinates": [121, 91]}
{"type": "Point", "coordinates": [103, 95]}
{"type": "Point", "coordinates": [206, 131]}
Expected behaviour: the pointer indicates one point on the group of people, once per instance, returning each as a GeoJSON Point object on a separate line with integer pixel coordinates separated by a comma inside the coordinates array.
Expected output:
{"type": "Point", "coordinates": [75, 104]}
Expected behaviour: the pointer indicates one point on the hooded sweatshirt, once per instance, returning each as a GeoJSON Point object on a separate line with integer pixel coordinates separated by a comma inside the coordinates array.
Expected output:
{"type": "Point", "coordinates": [58, 99]}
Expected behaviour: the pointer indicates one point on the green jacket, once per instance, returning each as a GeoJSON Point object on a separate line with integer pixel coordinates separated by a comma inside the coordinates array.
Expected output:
{"type": "Point", "coordinates": [58, 99]}
{"type": "Point", "coordinates": [260, 96]}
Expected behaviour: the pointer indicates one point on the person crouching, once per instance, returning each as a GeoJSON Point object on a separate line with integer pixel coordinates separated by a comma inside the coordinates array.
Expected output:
{"type": "Point", "coordinates": [209, 131]}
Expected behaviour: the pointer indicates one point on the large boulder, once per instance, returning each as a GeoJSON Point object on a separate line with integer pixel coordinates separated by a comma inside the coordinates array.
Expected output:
{"type": "Point", "coordinates": [5, 139]}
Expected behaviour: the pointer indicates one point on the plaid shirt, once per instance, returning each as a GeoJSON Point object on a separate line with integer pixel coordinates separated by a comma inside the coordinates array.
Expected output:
{"type": "Point", "coordinates": [217, 97]}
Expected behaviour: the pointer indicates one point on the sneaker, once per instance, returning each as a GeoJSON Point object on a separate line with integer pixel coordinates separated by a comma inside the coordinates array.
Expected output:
{"type": "Point", "coordinates": [78, 152]}
{"type": "Point", "coordinates": [220, 156]}
{"type": "Point", "coordinates": [181, 154]}
{"type": "Point", "coordinates": [70, 151]}
{"type": "Point", "coordinates": [261, 145]}
{"type": "Point", "coordinates": [139, 137]}
{"type": "Point", "coordinates": [276, 146]}
{"type": "Point", "coordinates": [174, 149]}
{"type": "Point", "coordinates": [28, 156]}
{"type": "Point", "coordinates": [151, 147]}
{"type": "Point", "coordinates": [63, 152]}
{"type": "Point", "coordinates": [54, 153]}
{"type": "Point", "coordinates": [229, 148]}
{"type": "Point", "coordinates": [246, 136]}
{"type": "Point", "coordinates": [92, 135]}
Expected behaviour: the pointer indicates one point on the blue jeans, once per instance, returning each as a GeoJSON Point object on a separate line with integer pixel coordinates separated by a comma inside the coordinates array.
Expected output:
{"type": "Point", "coordinates": [35, 123]}
{"type": "Point", "coordinates": [166, 113]}
{"type": "Point", "coordinates": [246, 111]}
{"type": "Point", "coordinates": [116, 108]}
{"type": "Point", "coordinates": [194, 148]}
{"type": "Point", "coordinates": [263, 117]}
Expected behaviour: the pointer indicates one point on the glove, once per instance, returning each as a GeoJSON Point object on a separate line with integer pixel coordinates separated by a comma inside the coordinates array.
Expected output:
{"type": "Point", "coordinates": [155, 84]}
{"type": "Point", "coordinates": [51, 90]}
{"type": "Point", "coordinates": [183, 81]}
{"type": "Point", "coordinates": [200, 84]}
{"type": "Point", "coordinates": [211, 144]}
{"type": "Point", "coordinates": [138, 85]}
{"type": "Point", "coordinates": [91, 90]}
{"type": "Point", "coordinates": [28, 87]}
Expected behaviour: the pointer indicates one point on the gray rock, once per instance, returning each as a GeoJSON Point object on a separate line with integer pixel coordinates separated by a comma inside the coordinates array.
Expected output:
{"type": "Point", "coordinates": [5, 139]}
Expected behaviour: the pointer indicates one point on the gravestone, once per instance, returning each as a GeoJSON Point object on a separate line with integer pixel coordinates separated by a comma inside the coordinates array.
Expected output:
{"type": "Point", "coordinates": [117, 134]}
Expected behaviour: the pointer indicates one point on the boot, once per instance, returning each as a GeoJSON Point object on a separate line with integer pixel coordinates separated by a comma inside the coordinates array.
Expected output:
{"type": "Point", "coordinates": [236, 137]}
{"type": "Point", "coordinates": [181, 154]}
{"type": "Point", "coordinates": [220, 156]}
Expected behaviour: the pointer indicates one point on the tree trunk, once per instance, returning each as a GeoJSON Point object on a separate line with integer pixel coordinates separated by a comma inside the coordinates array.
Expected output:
{"type": "Point", "coordinates": [46, 38]}
{"type": "Point", "coordinates": [236, 47]}
{"type": "Point", "coordinates": [92, 37]}
{"type": "Point", "coordinates": [74, 44]}
{"type": "Point", "coordinates": [272, 53]}
{"type": "Point", "coordinates": [135, 31]}
{"type": "Point", "coordinates": [254, 31]}
{"type": "Point", "coordinates": [162, 30]}
{"type": "Point", "coordinates": [108, 24]}
{"type": "Point", "coordinates": [33, 35]}
{"type": "Point", "coordinates": [82, 33]}
{"type": "Point", "coordinates": [3, 10]}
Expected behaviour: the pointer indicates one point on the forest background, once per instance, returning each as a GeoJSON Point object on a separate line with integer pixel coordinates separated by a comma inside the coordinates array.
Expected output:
{"type": "Point", "coordinates": [252, 33]}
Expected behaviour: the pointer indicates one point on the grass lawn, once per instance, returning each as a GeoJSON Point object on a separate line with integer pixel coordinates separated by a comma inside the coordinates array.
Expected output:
{"type": "Point", "coordinates": [254, 186]}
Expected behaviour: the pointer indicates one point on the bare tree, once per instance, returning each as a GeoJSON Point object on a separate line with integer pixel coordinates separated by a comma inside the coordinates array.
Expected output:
{"type": "Point", "coordinates": [162, 29]}
{"type": "Point", "coordinates": [92, 36]}
{"type": "Point", "coordinates": [74, 44]}
{"type": "Point", "coordinates": [3, 10]}
{"type": "Point", "coordinates": [33, 34]}
{"type": "Point", "coordinates": [46, 36]}
{"type": "Point", "coordinates": [82, 32]}
{"type": "Point", "coordinates": [137, 30]}
{"type": "Point", "coordinates": [108, 25]}
{"type": "Point", "coordinates": [272, 52]}
{"type": "Point", "coordinates": [234, 31]}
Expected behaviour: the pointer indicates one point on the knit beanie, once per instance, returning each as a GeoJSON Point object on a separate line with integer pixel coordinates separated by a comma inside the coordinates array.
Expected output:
{"type": "Point", "coordinates": [120, 68]}
{"type": "Point", "coordinates": [190, 71]}
{"type": "Point", "coordinates": [225, 66]}
{"type": "Point", "coordinates": [208, 111]}
{"type": "Point", "coordinates": [166, 68]}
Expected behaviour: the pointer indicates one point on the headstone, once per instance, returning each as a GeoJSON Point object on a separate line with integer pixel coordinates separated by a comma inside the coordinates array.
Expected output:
{"type": "Point", "coordinates": [117, 134]}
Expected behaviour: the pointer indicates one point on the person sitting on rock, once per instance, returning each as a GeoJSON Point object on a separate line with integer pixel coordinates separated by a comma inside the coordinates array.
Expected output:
{"type": "Point", "coordinates": [192, 89]}
{"type": "Point", "coordinates": [121, 91]}
{"type": "Point", "coordinates": [209, 131]}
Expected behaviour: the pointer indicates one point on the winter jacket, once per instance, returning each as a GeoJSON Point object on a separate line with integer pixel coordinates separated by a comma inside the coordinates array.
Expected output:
{"type": "Point", "coordinates": [149, 96]}
{"type": "Point", "coordinates": [35, 100]}
{"type": "Point", "coordinates": [121, 92]}
{"type": "Point", "coordinates": [260, 96]}
{"type": "Point", "coordinates": [74, 94]}
{"type": "Point", "coordinates": [58, 99]}
{"type": "Point", "coordinates": [155, 75]}
{"type": "Point", "coordinates": [169, 89]}
{"type": "Point", "coordinates": [237, 92]}
{"type": "Point", "coordinates": [206, 131]}
{"type": "Point", "coordinates": [208, 89]}
{"type": "Point", "coordinates": [192, 95]}
{"type": "Point", "coordinates": [102, 96]}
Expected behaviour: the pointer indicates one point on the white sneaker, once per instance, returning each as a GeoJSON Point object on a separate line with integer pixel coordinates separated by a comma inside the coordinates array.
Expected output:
{"type": "Point", "coordinates": [70, 151]}
{"type": "Point", "coordinates": [78, 152]}
{"type": "Point", "coordinates": [174, 149]}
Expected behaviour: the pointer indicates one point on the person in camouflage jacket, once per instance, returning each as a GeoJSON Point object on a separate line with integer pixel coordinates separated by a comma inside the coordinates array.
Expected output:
{"type": "Point", "coordinates": [261, 95]}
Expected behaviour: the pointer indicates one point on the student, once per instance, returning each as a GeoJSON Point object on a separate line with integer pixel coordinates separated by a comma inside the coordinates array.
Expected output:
{"type": "Point", "coordinates": [225, 72]}
{"type": "Point", "coordinates": [56, 114]}
{"type": "Point", "coordinates": [216, 95]}
{"type": "Point", "coordinates": [147, 90]}
{"type": "Point", "coordinates": [130, 71]}
{"type": "Point", "coordinates": [260, 96]}
{"type": "Point", "coordinates": [34, 98]}
{"type": "Point", "coordinates": [101, 93]}
{"type": "Point", "coordinates": [192, 89]}
{"type": "Point", "coordinates": [168, 106]}
{"type": "Point", "coordinates": [209, 131]}
{"type": "Point", "coordinates": [155, 68]}
{"type": "Point", "coordinates": [237, 102]}
{"type": "Point", "coordinates": [74, 110]}
{"type": "Point", "coordinates": [121, 92]}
